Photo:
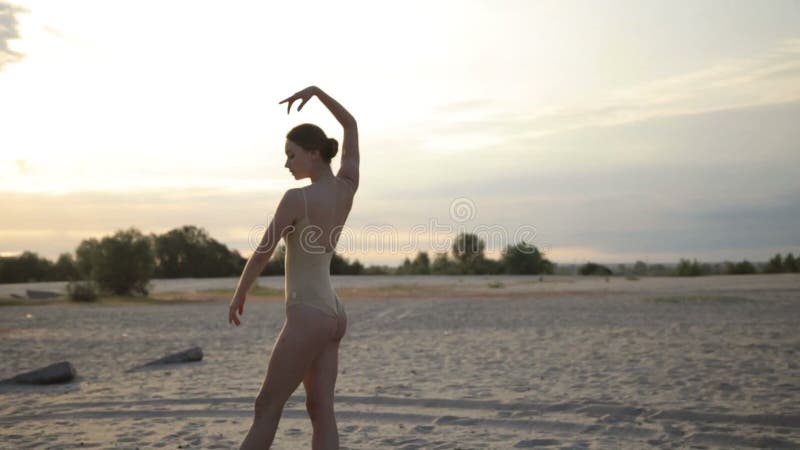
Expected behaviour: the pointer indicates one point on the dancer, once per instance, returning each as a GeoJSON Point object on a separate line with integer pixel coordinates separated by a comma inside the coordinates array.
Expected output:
{"type": "Point", "coordinates": [310, 220]}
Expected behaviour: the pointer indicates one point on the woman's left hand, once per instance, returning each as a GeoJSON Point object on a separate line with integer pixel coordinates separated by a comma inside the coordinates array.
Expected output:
{"type": "Point", "coordinates": [237, 306]}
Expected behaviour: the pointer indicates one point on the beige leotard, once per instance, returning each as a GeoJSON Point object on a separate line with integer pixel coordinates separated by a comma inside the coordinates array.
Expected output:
{"type": "Point", "coordinates": [307, 267]}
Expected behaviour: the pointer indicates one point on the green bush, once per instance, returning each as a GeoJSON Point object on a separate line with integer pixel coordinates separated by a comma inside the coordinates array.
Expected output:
{"type": "Point", "coordinates": [65, 268]}
{"type": "Point", "coordinates": [688, 268]}
{"type": "Point", "coordinates": [468, 248]}
{"type": "Point", "coordinates": [740, 268]}
{"type": "Point", "coordinates": [774, 265]}
{"type": "Point", "coordinates": [377, 270]}
{"type": "Point", "coordinates": [25, 268]}
{"type": "Point", "coordinates": [591, 268]}
{"type": "Point", "coordinates": [190, 252]}
{"type": "Point", "coordinates": [780, 265]}
{"type": "Point", "coordinates": [442, 265]}
{"type": "Point", "coordinates": [790, 264]}
{"type": "Point", "coordinates": [343, 266]}
{"type": "Point", "coordinates": [82, 291]}
{"type": "Point", "coordinates": [121, 264]}
{"type": "Point", "coordinates": [524, 258]}
{"type": "Point", "coordinates": [421, 264]}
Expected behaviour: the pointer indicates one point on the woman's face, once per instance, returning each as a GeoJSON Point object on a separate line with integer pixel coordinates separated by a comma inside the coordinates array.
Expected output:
{"type": "Point", "coordinates": [298, 160]}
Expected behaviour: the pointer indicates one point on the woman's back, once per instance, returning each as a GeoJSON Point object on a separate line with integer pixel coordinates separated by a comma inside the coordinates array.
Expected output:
{"type": "Point", "coordinates": [327, 205]}
{"type": "Point", "coordinates": [310, 246]}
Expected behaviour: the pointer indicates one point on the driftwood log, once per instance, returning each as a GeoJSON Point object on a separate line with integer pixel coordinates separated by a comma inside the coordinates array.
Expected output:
{"type": "Point", "coordinates": [40, 295]}
{"type": "Point", "coordinates": [60, 372]}
{"type": "Point", "coordinates": [191, 355]}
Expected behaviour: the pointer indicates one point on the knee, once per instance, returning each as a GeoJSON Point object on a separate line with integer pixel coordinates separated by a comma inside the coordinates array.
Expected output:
{"type": "Point", "coordinates": [319, 408]}
{"type": "Point", "coordinates": [266, 405]}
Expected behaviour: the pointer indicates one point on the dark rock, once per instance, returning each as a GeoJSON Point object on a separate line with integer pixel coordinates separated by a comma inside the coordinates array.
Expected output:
{"type": "Point", "coordinates": [55, 373]}
{"type": "Point", "coordinates": [37, 295]}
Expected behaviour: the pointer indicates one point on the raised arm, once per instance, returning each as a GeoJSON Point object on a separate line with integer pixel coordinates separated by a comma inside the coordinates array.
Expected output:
{"type": "Point", "coordinates": [350, 155]}
{"type": "Point", "coordinates": [348, 169]}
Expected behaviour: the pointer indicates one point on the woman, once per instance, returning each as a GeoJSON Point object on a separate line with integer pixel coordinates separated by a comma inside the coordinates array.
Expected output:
{"type": "Point", "coordinates": [310, 220]}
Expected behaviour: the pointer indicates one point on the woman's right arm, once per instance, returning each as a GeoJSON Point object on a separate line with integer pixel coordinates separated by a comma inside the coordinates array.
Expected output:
{"type": "Point", "coordinates": [349, 168]}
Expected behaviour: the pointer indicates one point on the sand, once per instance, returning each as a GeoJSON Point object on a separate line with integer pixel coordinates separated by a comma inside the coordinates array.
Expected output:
{"type": "Point", "coordinates": [430, 362]}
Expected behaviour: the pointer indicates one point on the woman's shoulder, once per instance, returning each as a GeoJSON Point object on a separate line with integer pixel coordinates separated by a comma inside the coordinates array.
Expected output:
{"type": "Point", "coordinates": [293, 204]}
{"type": "Point", "coordinates": [292, 198]}
{"type": "Point", "coordinates": [296, 194]}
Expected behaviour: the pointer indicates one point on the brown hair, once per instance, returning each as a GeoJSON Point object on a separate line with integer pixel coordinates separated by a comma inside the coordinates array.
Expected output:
{"type": "Point", "coordinates": [311, 137]}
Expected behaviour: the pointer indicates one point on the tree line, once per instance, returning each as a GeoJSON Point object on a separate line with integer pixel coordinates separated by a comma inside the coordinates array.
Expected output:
{"type": "Point", "coordinates": [185, 252]}
{"type": "Point", "coordinates": [693, 268]}
{"type": "Point", "coordinates": [124, 262]}
{"type": "Point", "coordinates": [468, 258]}
{"type": "Point", "coordinates": [777, 264]}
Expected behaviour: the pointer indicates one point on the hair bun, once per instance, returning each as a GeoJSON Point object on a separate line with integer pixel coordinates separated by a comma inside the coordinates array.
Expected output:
{"type": "Point", "coordinates": [333, 147]}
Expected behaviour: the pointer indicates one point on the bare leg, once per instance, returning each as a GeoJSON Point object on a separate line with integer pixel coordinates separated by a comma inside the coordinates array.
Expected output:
{"type": "Point", "coordinates": [319, 383]}
{"type": "Point", "coordinates": [303, 336]}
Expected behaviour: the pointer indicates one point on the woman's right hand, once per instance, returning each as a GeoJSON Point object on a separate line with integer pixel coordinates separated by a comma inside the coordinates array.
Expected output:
{"type": "Point", "coordinates": [304, 95]}
{"type": "Point", "coordinates": [237, 306]}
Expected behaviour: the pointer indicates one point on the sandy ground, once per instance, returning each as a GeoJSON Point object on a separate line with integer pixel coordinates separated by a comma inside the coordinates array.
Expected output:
{"type": "Point", "coordinates": [429, 362]}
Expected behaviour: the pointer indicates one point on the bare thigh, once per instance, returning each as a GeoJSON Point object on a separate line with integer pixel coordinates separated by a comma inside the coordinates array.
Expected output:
{"type": "Point", "coordinates": [320, 379]}
{"type": "Point", "coordinates": [304, 335]}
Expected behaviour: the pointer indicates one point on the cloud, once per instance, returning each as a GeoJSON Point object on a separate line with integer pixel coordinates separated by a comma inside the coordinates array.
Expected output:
{"type": "Point", "coordinates": [771, 77]}
{"type": "Point", "coordinates": [748, 226]}
{"type": "Point", "coordinates": [659, 187]}
{"type": "Point", "coordinates": [751, 145]}
{"type": "Point", "coordinates": [8, 31]}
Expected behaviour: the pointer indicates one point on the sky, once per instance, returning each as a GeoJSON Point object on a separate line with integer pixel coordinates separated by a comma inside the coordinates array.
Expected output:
{"type": "Point", "coordinates": [606, 131]}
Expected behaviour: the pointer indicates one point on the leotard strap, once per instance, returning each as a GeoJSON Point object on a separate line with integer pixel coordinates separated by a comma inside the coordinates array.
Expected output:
{"type": "Point", "coordinates": [305, 202]}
